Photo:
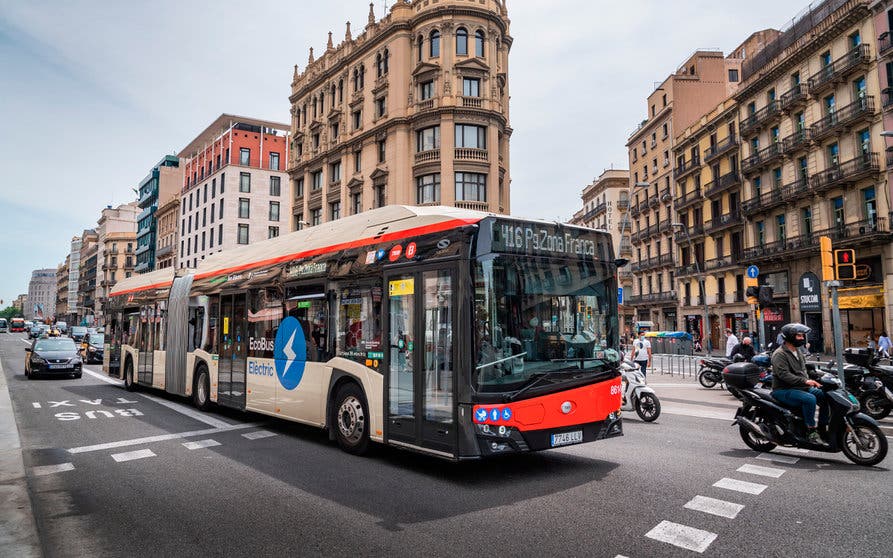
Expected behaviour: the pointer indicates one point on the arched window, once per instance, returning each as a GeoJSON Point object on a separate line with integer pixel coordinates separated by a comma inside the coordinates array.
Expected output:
{"type": "Point", "coordinates": [378, 65]}
{"type": "Point", "coordinates": [462, 41]}
{"type": "Point", "coordinates": [479, 43]}
{"type": "Point", "coordinates": [356, 79]}
{"type": "Point", "coordinates": [434, 44]}
{"type": "Point", "coordinates": [340, 91]}
{"type": "Point", "coordinates": [419, 45]}
{"type": "Point", "coordinates": [387, 55]}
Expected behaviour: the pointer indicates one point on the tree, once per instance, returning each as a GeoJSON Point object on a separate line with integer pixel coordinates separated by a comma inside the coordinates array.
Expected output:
{"type": "Point", "coordinates": [10, 312]}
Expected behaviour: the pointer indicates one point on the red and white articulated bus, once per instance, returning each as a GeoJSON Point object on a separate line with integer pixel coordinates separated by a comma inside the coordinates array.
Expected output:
{"type": "Point", "coordinates": [449, 332]}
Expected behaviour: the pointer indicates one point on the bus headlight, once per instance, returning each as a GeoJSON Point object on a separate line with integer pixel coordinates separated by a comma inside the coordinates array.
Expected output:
{"type": "Point", "coordinates": [493, 430]}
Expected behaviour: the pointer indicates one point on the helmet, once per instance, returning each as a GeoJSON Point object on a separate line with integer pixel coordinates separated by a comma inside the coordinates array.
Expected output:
{"type": "Point", "coordinates": [762, 360]}
{"type": "Point", "coordinates": [790, 332]}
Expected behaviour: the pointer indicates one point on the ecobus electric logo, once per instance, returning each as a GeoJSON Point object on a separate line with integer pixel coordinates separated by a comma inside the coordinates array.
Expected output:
{"type": "Point", "coordinates": [290, 353]}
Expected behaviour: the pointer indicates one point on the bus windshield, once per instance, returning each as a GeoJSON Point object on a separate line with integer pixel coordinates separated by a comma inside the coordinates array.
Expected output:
{"type": "Point", "coordinates": [537, 317]}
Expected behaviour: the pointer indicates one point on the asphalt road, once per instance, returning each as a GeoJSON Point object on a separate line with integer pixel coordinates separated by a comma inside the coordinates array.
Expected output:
{"type": "Point", "coordinates": [113, 473]}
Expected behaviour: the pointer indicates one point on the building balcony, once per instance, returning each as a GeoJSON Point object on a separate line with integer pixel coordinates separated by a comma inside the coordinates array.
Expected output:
{"type": "Point", "coordinates": [798, 141]}
{"type": "Point", "coordinates": [783, 250]}
{"type": "Point", "coordinates": [843, 118]}
{"type": "Point", "coordinates": [143, 248]}
{"type": "Point", "coordinates": [429, 156]}
{"type": "Point", "coordinates": [690, 269]}
{"type": "Point", "coordinates": [838, 70]}
{"type": "Point", "coordinates": [847, 172]}
{"type": "Point", "coordinates": [635, 210]}
{"type": "Point", "coordinates": [688, 199]}
{"type": "Point", "coordinates": [885, 43]}
{"type": "Point", "coordinates": [724, 262]}
{"type": "Point", "coordinates": [794, 97]}
{"type": "Point", "coordinates": [665, 227]}
{"type": "Point", "coordinates": [729, 144]}
{"type": "Point", "coordinates": [425, 104]}
{"type": "Point", "coordinates": [623, 204]}
{"type": "Point", "coordinates": [796, 189]}
{"type": "Point", "coordinates": [762, 158]}
{"type": "Point", "coordinates": [722, 184]}
{"type": "Point", "coordinates": [694, 231]}
{"type": "Point", "coordinates": [625, 274]}
{"type": "Point", "coordinates": [472, 102]}
{"type": "Point", "coordinates": [164, 251]}
{"type": "Point", "coordinates": [475, 205]}
{"type": "Point", "coordinates": [724, 221]}
{"type": "Point", "coordinates": [599, 209]}
{"type": "Point", "coordinates": [470, 154]}
{"type": "Point", "coordinates": [763, 202]}
{"type": "Point", "coordinates": [653, 202]}
{"type": "Point", "coordinates": [686, 168]}
{"type": "Point", "coordinates": [666, 196]}
{"type": "Point", "coordinates": [887, 98]}
{"type": "Point", "coordinates": [653, 298]}
{"type": "Point", "coordinates": [755, 122]}
{"type": "Point", "coordinates": [865, 232]}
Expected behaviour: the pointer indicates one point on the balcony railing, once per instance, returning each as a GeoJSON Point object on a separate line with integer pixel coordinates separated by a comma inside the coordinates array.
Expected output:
{"type": "Point", "coordinates": [756, 120]}
{"type": "Point", "coordinates": [846, 172]}
{"type": "Point", "coordinates": [724, 221]}
{"type": "Point", "coordinates": [665, 195]}
{"type": "Point", "coordinates": [840, 119]}
{"type": "Point", "coordinates": [626, 248]}
{"type": "Point", "coordinates": [794, 97]}
{"type": "Point", "coordinates": [766, 200]}
{"type": "Point", "coordinates": [635, 210]}
{"type": "Point", "coordinates": [839, 69]}
{"type": "Point", "coordinates": [887, 98]}
{"type": "Point", "coordinates": [795, 189]}
{"type": "Point", "coordinates": [687, 199]}
{"type": "Point", "coordinates": [476, 205]}
{"type": "Point", "coordinates": [763, 157]}
{"type": "Point", "coordinates": [473, 102]}
{"type": "Point", "coordinates": [694, 231]}
{"type": "Point", "coordinates": [726, 145]}
{"type": "Point", "coordinates": [722, 184]}
{"type": "Point", "coordinates": [651, 298]}
{"type": "Point", "coordinates": [797, 141]}
{"type": "Point", "coordinates": [428, 156]}
{"type": "Point", "coordinates": [623, 204]}
{"type": "Point", "coordinates": [781, 249]}
{"type": "Point", "coordinates": [864, 231]}
{"type": "Point", "coordinates": [470, 154]}
{"type": "Point", "coordinates": [884, 43]}
{"type": "Point", "coordinates": [600, 208]}
{"type": "Point", "coordinates": [721, 263]}
{"type": "Point", "coordinates": [686, 168]}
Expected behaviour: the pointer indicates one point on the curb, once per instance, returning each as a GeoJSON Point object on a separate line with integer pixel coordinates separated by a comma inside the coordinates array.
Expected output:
{"type": "Point", "coordinates": [18, 530]}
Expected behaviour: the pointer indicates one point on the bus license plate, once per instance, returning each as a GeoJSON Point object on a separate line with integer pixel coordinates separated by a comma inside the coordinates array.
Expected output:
{"type": "Point", "coordinates": [58, 366]}
{"type": "Point", "coordinates": [565, 438]}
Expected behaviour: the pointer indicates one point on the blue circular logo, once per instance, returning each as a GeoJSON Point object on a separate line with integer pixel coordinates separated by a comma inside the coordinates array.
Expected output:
{"type": "Point", "coordinates": [506, 414]}
{"type": "Point", "coordinates": [494, 414]}
{"type": "Point", "coordinates": [290, 353]}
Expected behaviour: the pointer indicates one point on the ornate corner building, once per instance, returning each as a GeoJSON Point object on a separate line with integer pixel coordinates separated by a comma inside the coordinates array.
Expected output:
{"type": "Point", "coordinates": [414, 110]}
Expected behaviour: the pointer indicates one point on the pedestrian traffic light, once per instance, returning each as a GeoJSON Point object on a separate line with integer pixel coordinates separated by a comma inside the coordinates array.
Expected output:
{"type": "Point", "coordinates": [827, 258]}
{"type": "Point", "coordinates": [845, 264]}
{"type": "Point", "coordinates": [766, 297]}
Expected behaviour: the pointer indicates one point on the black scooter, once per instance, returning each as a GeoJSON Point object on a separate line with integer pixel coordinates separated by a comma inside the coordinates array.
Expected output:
{"type": "Point", "coordinates": [710, 371]}
{"type": "Point", "coordinates": [765, 423]}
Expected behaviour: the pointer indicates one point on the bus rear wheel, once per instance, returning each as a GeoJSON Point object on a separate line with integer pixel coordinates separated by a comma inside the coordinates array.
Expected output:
{"type": "Point", "coordinates": [201, 391]}
{"type": "Point", "coordinates": [351, 419]}
{"type": "Point", "coordinates": [129, 385]}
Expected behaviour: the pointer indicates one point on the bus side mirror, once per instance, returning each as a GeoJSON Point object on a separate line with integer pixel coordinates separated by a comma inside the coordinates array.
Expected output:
{"type": "Point", "coordinates": [620, 262]}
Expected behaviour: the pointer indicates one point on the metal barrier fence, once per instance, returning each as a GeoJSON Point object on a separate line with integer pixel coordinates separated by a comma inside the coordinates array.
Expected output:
{"type": "Point", "coordinates": [675, 365]}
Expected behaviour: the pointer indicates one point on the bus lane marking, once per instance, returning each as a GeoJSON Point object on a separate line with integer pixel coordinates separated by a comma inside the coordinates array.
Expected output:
{"type": "Point", "coordinates": [714, 506]}
{"type": "Point", "coordinates": [161, 438]}
{"type": "Point", "coordinates": [36, 405]}
{"type": "Point", "coordinates": [682, 536]}
{"type": "Point", "coordinates": [258, 435]}
{"type": "Point", "coordinates": [762, 471]}
{"type": "Point", "coordinates": [50, 469]}
{"type": "Point", "coordinates": [131, 455]}
{"type": "Point", "coordinates": [209, 443]}
{"type": "Point", "coordinates": [740, 486]}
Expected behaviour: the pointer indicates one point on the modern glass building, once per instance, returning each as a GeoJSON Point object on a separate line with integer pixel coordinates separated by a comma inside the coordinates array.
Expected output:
{"type": "Point", "coordinates": [162, 183]}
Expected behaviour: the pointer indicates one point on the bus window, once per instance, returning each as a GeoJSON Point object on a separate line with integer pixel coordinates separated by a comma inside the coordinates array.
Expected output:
{"type": "Point", "coordinates": [359, 325]}
{"type": "Point", "coordinates": [308, 304]}
{"type": "Point", "coordinates": [195, 327]}
{"type": "Point", "coordinates": [264, 316]}
{"type": "Point", "coordinates": [213, 309]}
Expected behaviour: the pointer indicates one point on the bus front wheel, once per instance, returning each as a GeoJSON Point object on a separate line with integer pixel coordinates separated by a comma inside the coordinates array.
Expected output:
{"type": "Point", "coordinates": [128, 376]}
{"type": "Point", "coordinates": [201, 392]}
{"type": "Point", "coordinates": [351, 419]}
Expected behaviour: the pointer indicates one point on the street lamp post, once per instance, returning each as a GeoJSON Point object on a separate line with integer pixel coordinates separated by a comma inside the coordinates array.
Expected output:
{"type": "Point", "coordinates": [701, 281]}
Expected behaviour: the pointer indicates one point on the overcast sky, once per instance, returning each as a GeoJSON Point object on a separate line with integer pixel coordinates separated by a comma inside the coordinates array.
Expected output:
{"type": "Point", "coordinates": [93, 93]}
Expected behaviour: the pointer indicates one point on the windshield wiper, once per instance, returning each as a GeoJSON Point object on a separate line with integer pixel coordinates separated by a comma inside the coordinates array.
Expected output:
{"type": "Point", "coordinates": [536, 381]}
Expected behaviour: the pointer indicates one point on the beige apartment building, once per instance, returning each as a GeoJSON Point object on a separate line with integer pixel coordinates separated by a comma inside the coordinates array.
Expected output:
{"type": "Point", "coordinates": [810, 116]}
{"type": "Point", "coordinates": [699, 84]}
{"type": "Point", "coordinates": [62, 289]}
{"type": "Point", "coordinates": [709, 242]}
{"type": "Point", "coordinates": [235, 187]}
{"type": "Point", "coordinates": [115, 252]}
{"type": "Point", "coordinates": [414, 110]}
{"type": "Point", "coordinates": [606, 207]}
{"type": "Point", "coordinates": [86, 277]}
{"type": "Point", "coordinates": [168, 220]}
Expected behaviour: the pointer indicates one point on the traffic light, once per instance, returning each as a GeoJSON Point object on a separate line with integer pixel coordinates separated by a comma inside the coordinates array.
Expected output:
{"type": "Point", "coordinates": [827, 258]}
{"type": "Point", "coordinates": [752, 294]}
{"type": "Point", "coordinates": [845, 264]}
{"type": "Point", "coordinates": [766, 297]}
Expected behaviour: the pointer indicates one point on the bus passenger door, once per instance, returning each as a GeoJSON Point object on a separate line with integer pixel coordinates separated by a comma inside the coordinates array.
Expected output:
{"type": "Point", "coordinates": [225, 362]}
{"type": "Point", "coordinates": [146, 352]}
{"type": "Point", "coordinates": [421, 382]}
{"type": "Point", "coordinates": [233, 351]}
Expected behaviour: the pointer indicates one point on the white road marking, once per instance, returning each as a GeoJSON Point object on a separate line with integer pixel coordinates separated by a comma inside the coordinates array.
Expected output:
{"type": "Point", "coordinates": [778, 458]}
{"type": "Point", "coordinates": [740, 486]}
{"type": "Point", "coordinates": [682, 536]}
{"type": "Point", "coordinates": [209, 443]}
{"type": "Point", "coordinates": [714, 506]}
{"type": "Point", "coordinates": [104, 377]}
{"type": "Point", "coordinates": [161, 438]}
{"type": "Point", "coordinates": [796, 450]}
{"type": "Point", "coordinates": [696, 411]}
{"type": "Point", "coordinates": [131, 455]}
{"type": "Point", "coordinates": [258, 435]}
{"type": "Point", "coordinates": [762, 471]}
{"type": "Point", "coordinates": [50, 469]}
{"type": "Point", "coordinates": [182, 409]}
{"type": "Point", "coordinates": [36, 405]}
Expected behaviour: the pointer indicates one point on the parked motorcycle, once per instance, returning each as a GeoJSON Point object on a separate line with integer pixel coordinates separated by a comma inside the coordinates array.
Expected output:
{"type": "Point", "coordinates": [877, 403]}
{"type": "Point", "coordinates": [636, 394]}
{"type": "Point", "coordinates": [710, 371]}
{"type": "Point", "coordinates": [765, 423]}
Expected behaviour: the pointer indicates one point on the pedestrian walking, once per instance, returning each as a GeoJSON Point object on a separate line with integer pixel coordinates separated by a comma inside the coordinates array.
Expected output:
{"type": "Point", "coordinates": [642, 349]}
{"type": "Point", "coordinates": [731, 342]}
{"type": "Point", "coordinates": [884, 345]}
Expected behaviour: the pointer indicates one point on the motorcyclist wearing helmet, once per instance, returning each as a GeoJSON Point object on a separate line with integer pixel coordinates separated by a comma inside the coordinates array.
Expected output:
{"type": "Point", "coordinates": [791, 384]}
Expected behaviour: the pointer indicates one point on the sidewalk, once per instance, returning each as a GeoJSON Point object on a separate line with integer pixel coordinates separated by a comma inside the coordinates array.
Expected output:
{"type": "Point", "coordinates": [18, 532]}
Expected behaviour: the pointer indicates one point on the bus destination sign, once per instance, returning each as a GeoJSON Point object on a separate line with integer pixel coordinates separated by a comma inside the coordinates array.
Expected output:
{"type": "Point", "coordinates": [540, 238]}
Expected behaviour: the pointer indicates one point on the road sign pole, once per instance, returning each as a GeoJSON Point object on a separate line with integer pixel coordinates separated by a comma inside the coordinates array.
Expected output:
{"type": "Point", "coordinates": [838, 331]}
{"type": "Point", "coordinates": [762, 324]}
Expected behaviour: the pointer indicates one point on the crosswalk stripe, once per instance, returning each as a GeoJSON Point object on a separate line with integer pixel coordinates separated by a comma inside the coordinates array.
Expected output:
{"type": "Point", "coordinates": [50, 469]}
{"type": "Point", "coordinates": [762, 471]}
{"type": "Point", "coordinates": [131, 455]}
{"type": "Point", "coordinates": [740, 486]}
{"type": "Point", "coordinates": [788, 459]}
{"type": "Point", "coordinates": [682, 536]}
{"type": "Point", "coordinates": [258, 435]}
{"type": "Point", "coordinates": [714, 507]}
{"type": "Point", "coordinates": [201, 444]}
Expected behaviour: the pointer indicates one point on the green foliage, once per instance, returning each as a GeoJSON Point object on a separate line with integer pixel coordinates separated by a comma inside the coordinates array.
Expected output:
{"type": "Point", "coordinates": [10, 312]}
